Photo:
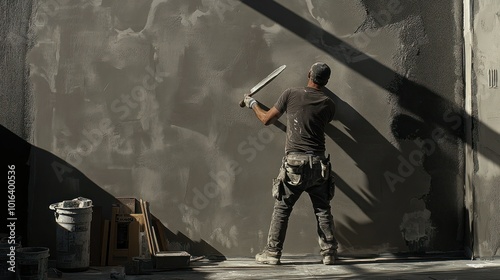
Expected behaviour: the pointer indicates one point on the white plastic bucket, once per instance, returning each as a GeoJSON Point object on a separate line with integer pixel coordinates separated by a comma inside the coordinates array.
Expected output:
{"type": "Point", "coordinates": [73, 218]}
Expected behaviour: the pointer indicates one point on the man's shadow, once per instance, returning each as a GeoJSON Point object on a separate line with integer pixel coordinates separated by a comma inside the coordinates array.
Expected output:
{"type": "Point", "coordinates": [374, 155]}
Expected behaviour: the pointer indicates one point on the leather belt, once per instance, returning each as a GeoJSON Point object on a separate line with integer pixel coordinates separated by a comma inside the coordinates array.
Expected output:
{"type": "Point", "coordinates": [318, 154]}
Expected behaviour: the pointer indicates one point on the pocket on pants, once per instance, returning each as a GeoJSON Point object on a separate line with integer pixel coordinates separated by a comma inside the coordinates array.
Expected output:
{"type": "Point", "coordinates": [278, 188]}
{"type": "Point", "coordinates": [294, 171]}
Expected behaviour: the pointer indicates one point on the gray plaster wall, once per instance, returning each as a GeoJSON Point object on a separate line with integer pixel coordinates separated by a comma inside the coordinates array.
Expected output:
{"type": "Point", "coordinates": [484, 192]}
{"type": "Point", "coordinates": [141, 97]}
{"type": "Point", "coordinates": [16, 107]}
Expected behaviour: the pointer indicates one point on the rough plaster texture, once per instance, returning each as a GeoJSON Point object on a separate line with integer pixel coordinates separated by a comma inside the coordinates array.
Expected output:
{"type": "Point", "coordinates": [141, 97]}
{"type": "Point", "coordinates": [485, 182]}
{"type": "Point", "coordinates": [16, 107]}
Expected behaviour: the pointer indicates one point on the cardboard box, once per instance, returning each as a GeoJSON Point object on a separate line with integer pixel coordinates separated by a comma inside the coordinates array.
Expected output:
{"type": "Point", "coordinates": [171, 259]}
{"type": "Point", "coordinates": [128, 205]}
{"type": "Point", "coordinates": [124, 237]}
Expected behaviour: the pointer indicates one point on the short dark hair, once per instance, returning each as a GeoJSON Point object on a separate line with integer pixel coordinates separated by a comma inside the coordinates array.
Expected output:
{"type": "Point", "coordinates": [320, 73]}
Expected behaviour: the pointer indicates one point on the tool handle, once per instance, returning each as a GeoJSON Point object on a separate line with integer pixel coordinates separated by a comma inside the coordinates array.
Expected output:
{"type": "Point", "coordinates": [242, 102]}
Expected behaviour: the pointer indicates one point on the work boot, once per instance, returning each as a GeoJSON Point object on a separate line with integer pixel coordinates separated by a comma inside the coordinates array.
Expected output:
{"type": "Point", "coordinates": [267, 258]}
{"type": "Point", "coordinates": [329, 259]}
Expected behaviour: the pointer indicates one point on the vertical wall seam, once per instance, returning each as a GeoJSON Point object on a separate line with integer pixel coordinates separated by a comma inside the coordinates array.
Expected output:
{"type": "Point", "coordinates": [469, 160]}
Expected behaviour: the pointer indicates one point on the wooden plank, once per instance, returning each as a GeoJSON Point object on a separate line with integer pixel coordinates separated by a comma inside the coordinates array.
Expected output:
{"type": "Point", "coordinates": [112, 234]}
{"type": "Point", "coordinates": [133, 237]}
{"type": "Point", "coordinates": [105, 239]}
{"type": "Point", "coordinates": [146, 227]}
{"type": "Point", "coordinates": [140, 219]}
{"type": "Point", "coordinates": [162, 240]}
{"type": "Point", "coordinates": [155, 240]}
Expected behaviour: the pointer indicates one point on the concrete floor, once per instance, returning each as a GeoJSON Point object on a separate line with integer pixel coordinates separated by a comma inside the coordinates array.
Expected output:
{"type": "Point", "coordinates": [310, 267]}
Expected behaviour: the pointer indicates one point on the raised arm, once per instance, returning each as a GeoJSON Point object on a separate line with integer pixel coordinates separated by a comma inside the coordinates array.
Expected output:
{"type": "Point", "coordinates": [266, 117]}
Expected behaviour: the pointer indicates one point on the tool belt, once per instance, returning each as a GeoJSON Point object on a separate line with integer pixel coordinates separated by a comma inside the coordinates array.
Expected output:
{"type": "Point", "coordinates": [300, 158]}
{"type": "Point", "coordinates": [292, 169]}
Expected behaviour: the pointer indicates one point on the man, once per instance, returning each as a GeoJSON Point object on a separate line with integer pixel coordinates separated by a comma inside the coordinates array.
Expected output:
{"type": "Point", "coordinates": [304, 167]}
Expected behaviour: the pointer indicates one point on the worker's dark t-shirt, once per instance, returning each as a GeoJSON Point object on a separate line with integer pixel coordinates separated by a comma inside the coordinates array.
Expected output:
{"type": "Point", "coordinates": [308, 112]}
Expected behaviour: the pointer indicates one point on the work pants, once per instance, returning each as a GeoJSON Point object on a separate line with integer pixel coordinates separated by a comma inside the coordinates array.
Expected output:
{"type": "Point", "coordinates": [303, 173]}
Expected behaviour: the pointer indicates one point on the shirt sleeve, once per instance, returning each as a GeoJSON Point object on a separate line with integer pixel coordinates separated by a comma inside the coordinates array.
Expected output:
{"type": "Point", "coordinates": [282, 101]}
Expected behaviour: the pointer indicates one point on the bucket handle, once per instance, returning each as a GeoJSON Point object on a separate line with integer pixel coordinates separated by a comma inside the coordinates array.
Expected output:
{"type": "Point", "coordinates": [53, 207]}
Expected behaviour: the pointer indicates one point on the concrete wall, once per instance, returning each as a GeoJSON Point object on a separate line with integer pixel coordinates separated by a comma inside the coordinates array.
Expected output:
{"type": "Point", "coordinates": [141, 98]}
{"type": "Point", "coordinates": [483, 193]}
{"type": "Point", "coordinates": [15, 108]}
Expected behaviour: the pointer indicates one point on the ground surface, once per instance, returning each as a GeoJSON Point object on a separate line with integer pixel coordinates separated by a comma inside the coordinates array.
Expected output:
{"type": "Point", "coordinates": [310, 267]}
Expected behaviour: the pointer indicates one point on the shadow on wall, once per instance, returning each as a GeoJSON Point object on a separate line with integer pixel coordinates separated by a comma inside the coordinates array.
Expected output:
{"type": "Point", "coordinates": [426, 126]}
{"type": "Point", "coordinates": [360, 146]}
{"type": "Point", "coordinates": [42, 178]}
